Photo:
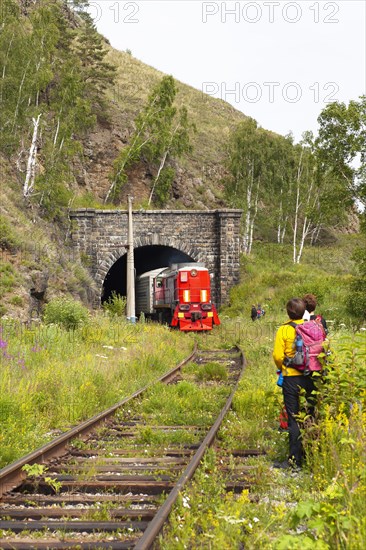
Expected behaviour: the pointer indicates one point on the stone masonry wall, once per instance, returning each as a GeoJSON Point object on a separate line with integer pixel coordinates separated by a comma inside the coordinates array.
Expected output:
{"type": "Point", "coordinates": [208, 236]}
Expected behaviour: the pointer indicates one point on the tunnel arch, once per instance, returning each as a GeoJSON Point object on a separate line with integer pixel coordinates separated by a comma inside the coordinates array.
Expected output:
{"type": "Point", "coordinates": [208, 236]}
{"type": "Point", "coordinates": [146, 258]}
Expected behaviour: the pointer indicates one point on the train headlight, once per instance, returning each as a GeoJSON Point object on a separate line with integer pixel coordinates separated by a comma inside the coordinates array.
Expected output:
{"type": "Point", "coordinates": [193, 272]}
{"type": "Point", "coordinates": [203, 295]}
{"type": "Point", "coordinates": [184, 307]}
{"type": "Point", "coordinates": [206, 307]}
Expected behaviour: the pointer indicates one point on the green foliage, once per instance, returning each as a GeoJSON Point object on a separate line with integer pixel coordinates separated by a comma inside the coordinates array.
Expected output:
{"type": "Point", "coordinates": [356, 300]}
{"type": "Point", "coordinates": [342, 135]}
{"type": "Point", "coordinates": [66, 313]}
{"type": "Point", "coordinates": [34, 470]}
{"type": "Point", "coordinates": [96, 72]}
{"type": "Point", "coordinates": [270, 278]}
{"type": "Point", "coordinates": [56, 485]}
{"type": "Point", "coordinates": [115, 305]}
{"type": "Point", "coordinates": [54, 72]}
{"type": "Point", "coordinates": [290, 181]}
{"type": "Point", "coordinates": [162, 191]}
{"type": "Point", "coordinates": [334, 445]}
{"type": "Point", "coordinates": [8, 278]}
{"type": "Point", "coordinates": [162, 133]}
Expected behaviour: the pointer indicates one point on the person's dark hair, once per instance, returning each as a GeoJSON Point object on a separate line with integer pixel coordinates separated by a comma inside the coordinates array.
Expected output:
{"type": "Point", "coordinates": [310, 302]}
{"type": "Point", "coordinates": [295, 308]}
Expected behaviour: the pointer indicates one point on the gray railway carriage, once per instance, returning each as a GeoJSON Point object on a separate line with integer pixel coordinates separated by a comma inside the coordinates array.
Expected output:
{"type": "Point", "coordinates": [145, 291]}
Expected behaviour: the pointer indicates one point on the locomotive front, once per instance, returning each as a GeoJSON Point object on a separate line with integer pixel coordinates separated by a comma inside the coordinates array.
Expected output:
{"type": "Point", "coordinates": [193, 309]}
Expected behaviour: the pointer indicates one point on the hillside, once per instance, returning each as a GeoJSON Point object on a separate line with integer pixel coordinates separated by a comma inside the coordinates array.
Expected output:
{"type": "Point", "coordinates": [69, 104]}
{"type": "Point", "coordinates": [36, 263]}
{"type": "Point", "coordinates": [199, 174]}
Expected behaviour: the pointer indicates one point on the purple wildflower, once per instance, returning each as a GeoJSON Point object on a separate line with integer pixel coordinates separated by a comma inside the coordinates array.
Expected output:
{"type": "Point", "coordinates": [3, 344]}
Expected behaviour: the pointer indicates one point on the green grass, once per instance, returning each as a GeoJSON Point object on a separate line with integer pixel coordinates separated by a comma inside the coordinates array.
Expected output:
{"type": "Point", "coordinates": [270, 278]}
{"type": "Point", "coordinates": [183, 403]}
{"type": "Point", "coordinates": [321, 508]}
{"type": "Point", "coordinates": [212, 371]}
{"type": "Point", "coordinates": [52, 377]}
{"type": "Point", "coordinates": [331, 486]}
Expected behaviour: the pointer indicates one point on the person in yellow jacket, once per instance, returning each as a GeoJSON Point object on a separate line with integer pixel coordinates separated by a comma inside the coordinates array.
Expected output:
{"type": "Point", "coordinates": [293, 380]}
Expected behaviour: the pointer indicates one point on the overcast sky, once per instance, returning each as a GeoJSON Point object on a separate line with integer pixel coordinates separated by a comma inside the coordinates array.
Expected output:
{"type": "Point", "coordinates": [277, 61]}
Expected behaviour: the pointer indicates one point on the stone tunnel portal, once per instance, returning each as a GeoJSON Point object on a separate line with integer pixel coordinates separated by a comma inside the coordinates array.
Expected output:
{"type": "Point", "coordinates": [146, 258]}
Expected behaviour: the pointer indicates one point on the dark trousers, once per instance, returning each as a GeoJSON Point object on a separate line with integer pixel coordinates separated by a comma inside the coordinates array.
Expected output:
{"type": "Point", "coordinates": [291, 394]}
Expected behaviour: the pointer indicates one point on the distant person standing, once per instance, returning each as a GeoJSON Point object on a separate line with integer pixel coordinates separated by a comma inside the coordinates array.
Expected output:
{"type": "Point", "coordinates": [309, 315]}
{"type": "Point", "coordinates": [253, 314]}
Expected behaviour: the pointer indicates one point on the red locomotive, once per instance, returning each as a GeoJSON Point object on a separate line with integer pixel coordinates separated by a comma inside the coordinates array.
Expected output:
{"type": "Point", "coordinates": [179, 295]}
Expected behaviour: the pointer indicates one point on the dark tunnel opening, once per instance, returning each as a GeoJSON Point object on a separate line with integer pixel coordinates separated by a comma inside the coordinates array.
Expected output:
{"type": "Point", "coordinates": [146, 258]}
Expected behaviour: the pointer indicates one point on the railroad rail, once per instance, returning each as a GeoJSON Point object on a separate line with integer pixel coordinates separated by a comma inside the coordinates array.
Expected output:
{"type": "Point", "coordinates": [104, 488]}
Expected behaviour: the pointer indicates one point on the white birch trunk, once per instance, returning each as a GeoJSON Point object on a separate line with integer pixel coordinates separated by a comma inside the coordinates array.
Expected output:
{"type": "Point", "coordinates": [162, 163]}
{"type": "Point", "coordinates": [56, 133]}
{"type": "Point", "coordinates": [163, 160]}
{"type": "Point", "coordinates": [304, 234]}
{"type": "Point", "coordinates": [32, 161]}
{"type": "Point", "coordinates": [253, 218]}
{"type": "Point", "coordinates": [280, 215]}
{"type": "Point", "coordinates": [114, 182]}
{"type": "Point", "coordinates": [284, 230]}
{"type": "Point", "coordinates": [297, 207]}
{"type": "Point", "coordinates": [315, 233]}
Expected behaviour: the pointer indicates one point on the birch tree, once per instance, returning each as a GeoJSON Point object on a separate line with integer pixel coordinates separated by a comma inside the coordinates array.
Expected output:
{"type": "Point", "coordinates": [341, 145]}
{"type": "Point", "coordinates": [247, 151]}
{"type": "Point", "coordinates": [162, 132]}
{"type": "Point", "coordinates": [44, 104]}
{"type": "Point", "coordinates": [319, 199]}
{"type": "Point", "coordinates": [32, 161]}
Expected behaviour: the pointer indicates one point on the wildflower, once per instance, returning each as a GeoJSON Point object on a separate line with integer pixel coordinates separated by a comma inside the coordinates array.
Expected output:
{"type": "Point", "coordinates": [255, 520]}
{"type": "Point", "coordinates": [3, 344]}
{"type": "Point", "coordinates": [186, 502]}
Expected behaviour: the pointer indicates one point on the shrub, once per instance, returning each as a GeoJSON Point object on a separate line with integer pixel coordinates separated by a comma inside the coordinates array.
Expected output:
{"type": "Point", "coordinates": [66, 312]}
{"type": "Point", "coordinates": [115, 305]}
{"type": "Point", "coordinates": [8, 239]}
{"type": "Point", "coordinates": [8, 278]}
{"type": "Point", "coordinates": [356, 303]}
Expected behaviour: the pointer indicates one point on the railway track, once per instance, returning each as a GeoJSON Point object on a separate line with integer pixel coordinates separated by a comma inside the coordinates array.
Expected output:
{"type": "Point", "coordinates": [112, 481]}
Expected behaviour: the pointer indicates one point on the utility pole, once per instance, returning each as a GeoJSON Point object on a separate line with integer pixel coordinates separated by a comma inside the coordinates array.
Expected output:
{"type": "Point", "coordinates": [130, 267]}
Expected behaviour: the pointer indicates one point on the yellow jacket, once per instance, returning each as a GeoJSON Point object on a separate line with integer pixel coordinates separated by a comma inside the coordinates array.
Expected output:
{"type": "Point", "coordinates": [284, 345]}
